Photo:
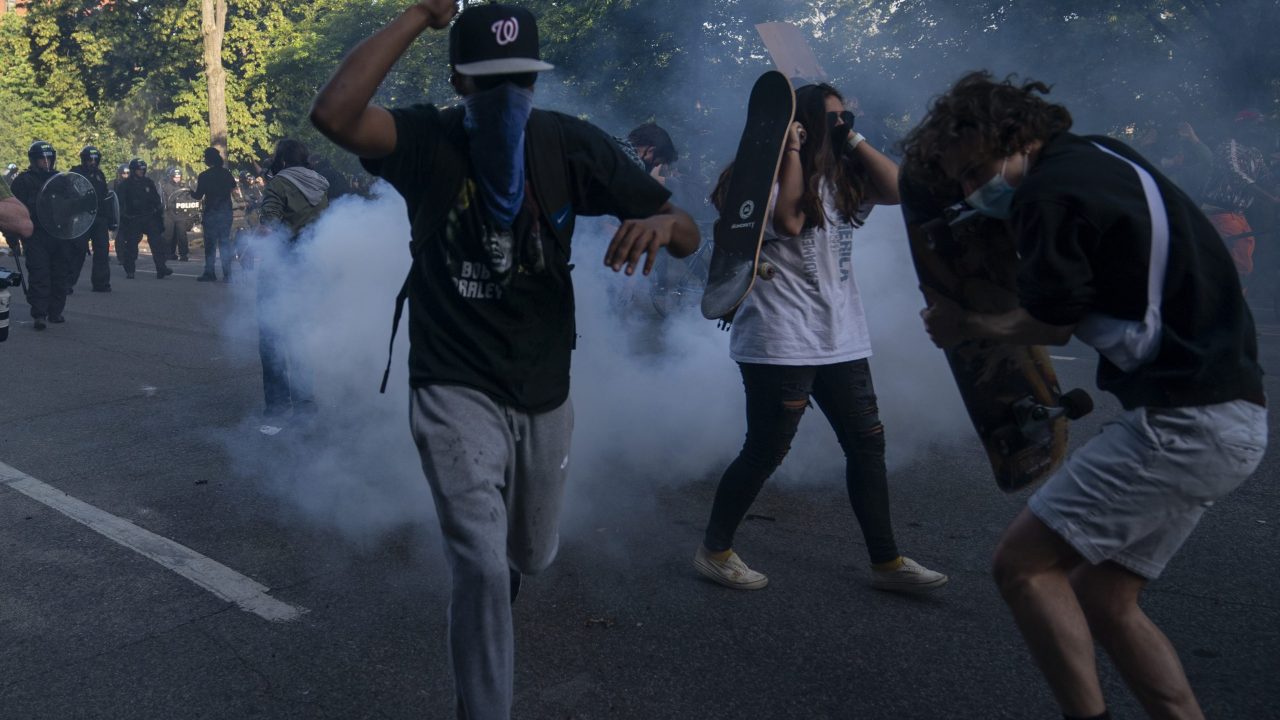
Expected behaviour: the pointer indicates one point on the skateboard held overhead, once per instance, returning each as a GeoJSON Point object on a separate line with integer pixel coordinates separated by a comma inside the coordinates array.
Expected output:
{"type": "Point", "coordinates": [740, 230]}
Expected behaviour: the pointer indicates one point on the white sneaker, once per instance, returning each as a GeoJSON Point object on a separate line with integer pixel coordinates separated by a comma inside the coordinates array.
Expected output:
{"type": "Point", "coordinates": [911, 577]}
{"type": "Point", "coordinates": [730, 572]}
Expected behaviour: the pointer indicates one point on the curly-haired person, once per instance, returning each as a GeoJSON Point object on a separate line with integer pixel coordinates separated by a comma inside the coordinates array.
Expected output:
{"type": "Point", "coordinates": [1113, 252]}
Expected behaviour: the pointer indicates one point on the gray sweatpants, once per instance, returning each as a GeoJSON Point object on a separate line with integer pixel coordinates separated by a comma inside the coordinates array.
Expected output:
{"type": "Point", "coordinates": [498, 476]}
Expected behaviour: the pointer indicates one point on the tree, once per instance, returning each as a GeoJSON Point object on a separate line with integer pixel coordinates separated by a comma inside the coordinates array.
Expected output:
{"type": "Point", "coordinates": [213, 26]}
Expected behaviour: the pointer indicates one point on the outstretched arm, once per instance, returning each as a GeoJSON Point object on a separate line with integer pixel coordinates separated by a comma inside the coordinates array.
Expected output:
{"type": "Point", "coordinates": [342, 111]}
{"type": "Point", "coordinates": [670, 227]}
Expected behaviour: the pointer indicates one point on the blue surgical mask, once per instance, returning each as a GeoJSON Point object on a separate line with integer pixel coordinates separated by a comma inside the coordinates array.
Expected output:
{"type": "Point", "coordinates": [995, 198]}
{"type": "Point", "coordinates": [495, 121]}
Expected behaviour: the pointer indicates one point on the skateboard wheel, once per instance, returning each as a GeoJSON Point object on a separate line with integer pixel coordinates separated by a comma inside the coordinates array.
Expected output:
{"type": "Point", "coordinates": [1077, 403]}
{"type": "Point", "coordinates": [766, 271]}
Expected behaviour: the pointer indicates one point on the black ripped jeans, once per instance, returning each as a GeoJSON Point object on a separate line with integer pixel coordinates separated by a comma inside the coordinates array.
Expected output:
{"type": "Point", "coordinates": [777, 396]}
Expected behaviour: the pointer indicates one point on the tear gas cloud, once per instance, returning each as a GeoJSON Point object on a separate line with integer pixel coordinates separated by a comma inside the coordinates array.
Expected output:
{"type": "Point", "coordinates": [355, 468]}
{"type": "Point", "coordinates": [658, 402]}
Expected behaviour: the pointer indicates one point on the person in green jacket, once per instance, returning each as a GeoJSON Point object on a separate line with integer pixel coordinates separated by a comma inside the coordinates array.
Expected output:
{"type": "Point", "coordinates": [294, 197]}
{"type": "Point", "coordinates": [296, 194]}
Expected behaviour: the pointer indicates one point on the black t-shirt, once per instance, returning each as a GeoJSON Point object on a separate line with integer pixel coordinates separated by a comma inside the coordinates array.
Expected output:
{"type": "Point", "coordinates": [495, 312]}
{"type": "Point", "coordinates": [214, 187]}
{"type": "Point", "coordinates": [1084, 238]}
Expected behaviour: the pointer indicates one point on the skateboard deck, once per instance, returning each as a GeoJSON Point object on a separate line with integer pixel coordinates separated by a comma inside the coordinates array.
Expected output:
{"type": "Point", "coordinates": [1011, 392]}
{"type": "Point", "coordinates": [740, 230]}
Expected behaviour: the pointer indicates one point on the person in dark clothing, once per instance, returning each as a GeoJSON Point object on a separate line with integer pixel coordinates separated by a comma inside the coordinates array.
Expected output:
{"type": "Point", "coordinates": [178, 221]}
{"type": "Point", "coordinates": [293, 199]}
{"type": "Point", "coordinates": [97, 239]}
{"type": "Point", "coordinates": [250, 196]}
{"type": "Point", "coordinates": [654, 148]}
{"type": "Point", "coordinates": [214, 187]}
{"type": "Point", "coordinates": [1241, 190]}
{"type": "Point", "coordinates": [48, 258]}
{"type": "Point", "coordinates": [338, 185]}
{"type": "Point", "coordinates": [1112, 252]}
{"type": "Point", "coordinates": [491, 297]}
{"type": "Point", "coordinates": [141, 213]}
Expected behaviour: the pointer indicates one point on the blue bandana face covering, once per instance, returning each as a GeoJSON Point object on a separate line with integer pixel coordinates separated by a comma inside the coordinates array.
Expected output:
{"type": "Point", "coordinates": [495, 122]}
{"type": "Point", "coordinates": [995, 198]}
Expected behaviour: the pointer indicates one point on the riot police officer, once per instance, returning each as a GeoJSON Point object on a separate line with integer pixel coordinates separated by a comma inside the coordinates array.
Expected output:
{"type": "Point", "coordinates": [10, 172]}
{"type": "Point", "coordinates": [141, 213]}
{"type": "Point", "coordinates": [177, 220]}
{"type": "Point", "coordinates": [48, 258]}
{"type": "Point", "coordinates": [97, 237]}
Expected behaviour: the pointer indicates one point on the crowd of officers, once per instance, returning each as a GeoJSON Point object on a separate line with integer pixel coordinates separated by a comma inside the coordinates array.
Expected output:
{"type": "Point", "coordinates": [165, 212]}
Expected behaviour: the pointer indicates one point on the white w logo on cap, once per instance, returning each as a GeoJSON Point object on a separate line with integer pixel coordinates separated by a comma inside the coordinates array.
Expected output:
{"type": "Point", "coordinates": [506, 31]}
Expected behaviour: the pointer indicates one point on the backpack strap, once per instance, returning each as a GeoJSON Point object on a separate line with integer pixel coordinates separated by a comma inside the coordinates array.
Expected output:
{"type": "Point", "coordinates": [448, 170]}
{"type": "Point", "coordinates": [545, 143]}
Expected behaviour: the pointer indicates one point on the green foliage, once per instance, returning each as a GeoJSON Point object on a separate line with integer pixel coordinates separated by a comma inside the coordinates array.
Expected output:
{"type": "Point", "coordinates": [127, 75]}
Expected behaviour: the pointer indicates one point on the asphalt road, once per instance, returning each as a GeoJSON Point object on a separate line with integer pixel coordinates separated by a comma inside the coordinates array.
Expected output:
{"type": "Point", "coordinates": [143, 407]}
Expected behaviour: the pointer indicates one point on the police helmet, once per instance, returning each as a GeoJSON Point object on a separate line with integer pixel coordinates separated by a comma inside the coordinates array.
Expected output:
{"type": "Point", "coordinates": [122, 170]}
{"type": "Point", "coordinates": [174, 172]}
{"type": "Point", "coordinates": [137, 166]}
{"type": "Point", "coordinates": [89, 152]}
{"type": "Point", "coordinates": [41, 149]}
{"type": "Point", "coordinates": [11, 168]}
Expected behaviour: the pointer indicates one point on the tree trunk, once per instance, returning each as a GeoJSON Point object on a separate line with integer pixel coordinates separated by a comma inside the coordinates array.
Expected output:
{"type": "Point", "coordinates": [213, 24]}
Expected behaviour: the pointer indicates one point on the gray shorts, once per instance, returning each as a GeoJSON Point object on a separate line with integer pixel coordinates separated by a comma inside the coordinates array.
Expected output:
{"type": "Point", "coordinates": [1134, 493]}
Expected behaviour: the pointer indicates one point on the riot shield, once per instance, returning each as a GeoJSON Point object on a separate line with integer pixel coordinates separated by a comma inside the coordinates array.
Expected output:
{"type": "Point", "coordinates": [111, 208]}
{"type": "Point", "coordinates": [67, 205]}
{"type": "Point", "coordinates": [182, 206]}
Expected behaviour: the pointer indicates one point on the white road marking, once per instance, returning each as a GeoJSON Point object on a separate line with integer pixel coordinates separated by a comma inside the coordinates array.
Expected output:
{"type": "Point", "coordinates": [222, 581]}
{"type": "Point", "coordinates": [1061, 357]}
{"type": "Point", "coordinates": [175, 274]}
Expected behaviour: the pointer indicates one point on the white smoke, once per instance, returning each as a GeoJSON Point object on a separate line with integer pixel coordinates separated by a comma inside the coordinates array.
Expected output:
{"type": "Point", "coordinates": [353, 468]}
{"type": "Point", "coordinates": [668, 409]}
{"type": "Point", "coordinates": [658, 403]}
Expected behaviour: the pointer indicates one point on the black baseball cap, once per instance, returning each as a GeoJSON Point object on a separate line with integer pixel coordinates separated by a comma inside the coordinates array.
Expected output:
{"type": "Point", "coordinates": [495, 40]}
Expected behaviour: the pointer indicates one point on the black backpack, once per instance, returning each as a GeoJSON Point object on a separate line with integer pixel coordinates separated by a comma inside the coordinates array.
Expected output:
{"type": "Point", "coordinates": [544, 149]}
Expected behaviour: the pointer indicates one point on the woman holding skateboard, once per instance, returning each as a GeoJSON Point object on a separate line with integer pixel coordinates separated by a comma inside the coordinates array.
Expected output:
{"type": "Point", "coordinates": [803, 335]}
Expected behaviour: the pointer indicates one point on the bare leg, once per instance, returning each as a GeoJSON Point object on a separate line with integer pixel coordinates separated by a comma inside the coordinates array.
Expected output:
{"type": "Point", "coordinates": [1143, 655]}
{"type": "Point", "coordinates": [1031, 568]}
